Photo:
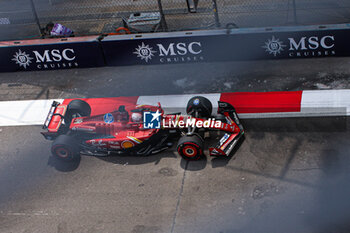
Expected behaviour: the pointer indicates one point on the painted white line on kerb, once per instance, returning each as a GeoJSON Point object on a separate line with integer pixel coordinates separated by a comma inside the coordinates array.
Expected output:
{"type": "Point", "coordinates": [25, 112]}
{"type": "Point", "coordinates": [326, 103]}
{"type": "Point", "coordinates": [177, 103]}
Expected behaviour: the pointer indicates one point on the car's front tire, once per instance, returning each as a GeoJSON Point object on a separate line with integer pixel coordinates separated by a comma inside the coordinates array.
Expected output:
{"type": "Point", "coordinates": [190, 147]}
{"type": "Point", "coordinates": [199, 106]}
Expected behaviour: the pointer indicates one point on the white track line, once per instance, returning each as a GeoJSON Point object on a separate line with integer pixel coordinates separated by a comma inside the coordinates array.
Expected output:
{"type": "Point", "coordinates": [24, 112]}
{"type": "Point", "coordinates": [325, 103]}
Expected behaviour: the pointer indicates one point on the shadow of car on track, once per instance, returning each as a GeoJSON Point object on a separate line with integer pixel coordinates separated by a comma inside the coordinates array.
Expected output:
{"type": "Point", "coordinates": [63, 166]}
{"type": "Point", "coordinates": [194, 165]}
{"type": "Point", "coordinates": [129, 159]}
{"type": "Point", "coordinates": [170, 153]}
{"type": "Point", "coordinates": [223, 161]}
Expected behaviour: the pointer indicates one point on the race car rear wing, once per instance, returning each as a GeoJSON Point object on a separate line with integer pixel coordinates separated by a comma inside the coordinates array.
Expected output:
{"type": "Point", "coordinates": [50, 114]}
{"type": "Point", "coordinates": [54, 120]}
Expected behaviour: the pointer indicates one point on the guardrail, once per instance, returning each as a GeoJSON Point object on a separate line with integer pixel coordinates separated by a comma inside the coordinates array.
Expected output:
{"type": "Point", "coordinates": [176, 47]}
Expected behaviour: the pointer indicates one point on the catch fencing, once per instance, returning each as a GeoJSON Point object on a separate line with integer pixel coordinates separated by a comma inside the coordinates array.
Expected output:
{"type": "Point", "coordinates": [23, 19]}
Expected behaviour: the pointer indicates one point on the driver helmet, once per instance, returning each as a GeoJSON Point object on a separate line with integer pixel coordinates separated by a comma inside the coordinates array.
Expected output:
{"type": "Point", "coordinates": [136, 117]}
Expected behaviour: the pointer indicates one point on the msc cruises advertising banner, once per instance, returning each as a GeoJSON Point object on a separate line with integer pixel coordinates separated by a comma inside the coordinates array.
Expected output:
{"type": "Point", "coordinates": [51, 56]}
{"type": "Point", "coordinates": [118, 51]}
{"type": "Point", "coordinates": [234, 47]}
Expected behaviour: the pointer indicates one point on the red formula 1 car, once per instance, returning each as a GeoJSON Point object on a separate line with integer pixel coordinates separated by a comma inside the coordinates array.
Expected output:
{"type": "Point", "coordinates": [139, 129]}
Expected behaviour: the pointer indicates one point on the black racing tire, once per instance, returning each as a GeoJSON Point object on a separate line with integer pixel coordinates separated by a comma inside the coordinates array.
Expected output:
{"type": "Point", "coordinates": [77, 108]}
{"type": "Point", "coordinates": [201, 105]}
{"type": "Point", "coordinates": [65, 148]}
{"type": "Point", "coordinates": [190, 147]}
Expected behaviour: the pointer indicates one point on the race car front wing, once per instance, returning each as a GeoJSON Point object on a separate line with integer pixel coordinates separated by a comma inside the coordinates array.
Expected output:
{"type": "Point", "coordinates": [229, 140]}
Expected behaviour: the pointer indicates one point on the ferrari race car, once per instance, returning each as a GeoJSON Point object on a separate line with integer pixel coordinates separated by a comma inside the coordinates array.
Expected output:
{"type": "Point", "coordinates": [139, 129]}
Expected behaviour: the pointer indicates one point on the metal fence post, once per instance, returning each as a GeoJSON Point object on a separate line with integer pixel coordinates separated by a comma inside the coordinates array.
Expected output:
{"type": "Point", "coordinates": [216, 14]}
{"type": "Point", "coordinates": [295, 12]}
{"type": "Point", "coordinates": [35, 16]}
{"type": "Point", "coordinates": [162, 19]}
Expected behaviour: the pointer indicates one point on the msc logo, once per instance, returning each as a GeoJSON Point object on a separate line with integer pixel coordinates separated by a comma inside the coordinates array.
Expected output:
{"type": "Point", "coordinates": [22, 59]}
{"type": "Point", "coordinates": [180, 49]}
{"type": "Point", "coordinates": [311, 46]}
{"type": "Point", "coordinates": [313, 42]}
{"type": "Point", "coordinates": [173, 52]}
{"type": "Point", "coordinates": [145, 52]}
{"type": "Point", "coordinates": [54, 55]}
{"type": "Point", "coordinates": [151, 120]}
{"type": "Point", "coordinates": [274, 46]}
{"type": "Point", "coordinates": [47, 59]}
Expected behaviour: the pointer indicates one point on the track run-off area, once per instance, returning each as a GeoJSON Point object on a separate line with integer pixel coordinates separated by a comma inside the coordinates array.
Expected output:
{"type": "Point", "coordinates": [290, 173]}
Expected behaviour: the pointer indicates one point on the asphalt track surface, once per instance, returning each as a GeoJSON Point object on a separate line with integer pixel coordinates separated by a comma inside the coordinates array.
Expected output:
{"type": "Point", "coordinates": [273, 75]}
{"type": "Point", "coordinates": [287, 175]}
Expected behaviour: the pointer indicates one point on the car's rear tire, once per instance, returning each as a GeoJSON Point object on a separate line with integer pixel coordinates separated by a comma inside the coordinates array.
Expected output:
{"type": "Point", "coordinates": [65, 148]}
{"type": "Point", "coordinates": [77, 108]}
{"type": "Point", "coordinates": [190, 147]}
{"type": "Point", "coordinates": [199, 106]}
